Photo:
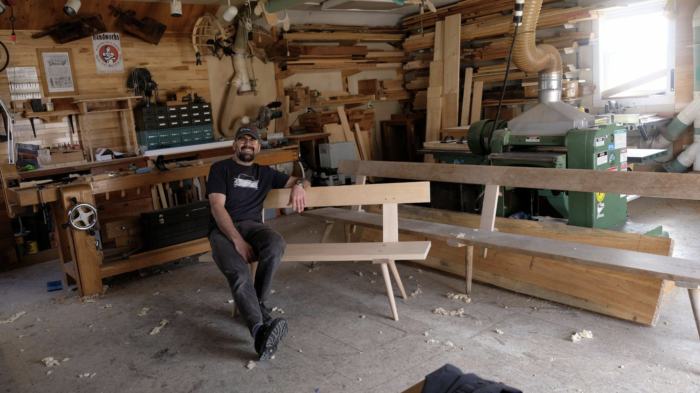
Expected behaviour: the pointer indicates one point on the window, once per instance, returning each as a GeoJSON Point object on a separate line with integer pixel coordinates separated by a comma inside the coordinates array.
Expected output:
{"type": "Point", "coordinates": [635, 56]}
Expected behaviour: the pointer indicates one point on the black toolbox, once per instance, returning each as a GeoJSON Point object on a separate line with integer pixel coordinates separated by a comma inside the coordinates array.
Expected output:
{"type": "Point", "coordinates": [175, 225]}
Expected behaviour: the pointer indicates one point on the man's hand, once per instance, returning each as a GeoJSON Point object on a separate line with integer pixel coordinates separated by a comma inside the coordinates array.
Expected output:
{"type": "Point", "coordinates": [245, 249]}
{"type": "Point", "coordinates": [297, 199]}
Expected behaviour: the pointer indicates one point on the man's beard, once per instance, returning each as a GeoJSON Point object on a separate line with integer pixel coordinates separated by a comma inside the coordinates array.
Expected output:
{"type": "Point", "coordinates": [246, 156]}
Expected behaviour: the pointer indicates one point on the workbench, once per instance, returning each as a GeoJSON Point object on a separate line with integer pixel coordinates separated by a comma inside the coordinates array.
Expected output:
{"type": "Point", "coordinates": [123, 199]}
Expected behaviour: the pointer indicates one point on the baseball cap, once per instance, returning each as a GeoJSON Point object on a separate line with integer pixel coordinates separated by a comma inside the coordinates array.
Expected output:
{"type": "Point", "coordinates": [247, 130]}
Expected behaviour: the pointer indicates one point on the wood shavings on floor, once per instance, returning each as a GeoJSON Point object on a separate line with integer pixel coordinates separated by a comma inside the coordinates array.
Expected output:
{"type": "Point", "coordinates": [13, 318]}
{"type": "Point", "coordinates": [359, 273]}
{"type": "Point", "coordinates": [433, 341]}
{"type": "Point", "coordinates": [144, 312]}
{"type": "Point", "coordinates": [449, 344]}
{"type": "Point", "coordinates": [87, 375]}
{"type": "Point", "coordinates": [459, 296]}
{"type": "Point", "coordinates": [416, 292]}
{"type": "Point", "coordinates": [576, 337]}
{"type": "Point", "coordinates": [457, 313]}
{"type": "Point", "coordinates": [90, 299]}
{"type": "Point", "coordinates": [107, 306]}
{"type": "Point", "coordinates": [276, 309]}
{"type": "Point", "coordinates": [250, 365]}
{"type": "Point", "coordinates": [179, 312]}
{"type": "Point", "coordinates": [50, 361]}
{"type": "Point", "coordinates": [156, 329]}
{"type": "Point", "coordinates": [459, 235]}
{"type": "Point", "coordinates": [499, 331]}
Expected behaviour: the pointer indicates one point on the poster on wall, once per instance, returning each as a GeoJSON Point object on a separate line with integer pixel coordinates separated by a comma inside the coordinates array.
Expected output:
{"type": "Point", "coordinates": [57, 74]}
{"type": "Point", "coordinates": [108, 53]}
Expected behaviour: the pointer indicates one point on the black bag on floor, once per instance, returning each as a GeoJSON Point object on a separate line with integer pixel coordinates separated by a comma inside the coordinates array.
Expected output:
{"type": "Point", "coordinates": [450, 379]}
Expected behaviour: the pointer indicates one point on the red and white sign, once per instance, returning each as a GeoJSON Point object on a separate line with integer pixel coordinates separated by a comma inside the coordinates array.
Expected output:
{"type": "Point", "coordinates": [108, 53]}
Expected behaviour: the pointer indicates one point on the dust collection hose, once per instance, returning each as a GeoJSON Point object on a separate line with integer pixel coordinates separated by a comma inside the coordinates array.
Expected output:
{"type": "Point", "coordinates": [517, 21]}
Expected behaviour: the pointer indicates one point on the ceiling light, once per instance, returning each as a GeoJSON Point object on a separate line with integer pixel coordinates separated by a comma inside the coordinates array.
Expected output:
{"type": "Point", "coordinates": [71, 8]}
{"type": "Point", "coordinates": [176, 8]}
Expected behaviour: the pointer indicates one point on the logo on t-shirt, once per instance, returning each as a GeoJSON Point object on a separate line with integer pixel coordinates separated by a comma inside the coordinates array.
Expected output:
{"type": "Point", "coordinates": [245, 181]}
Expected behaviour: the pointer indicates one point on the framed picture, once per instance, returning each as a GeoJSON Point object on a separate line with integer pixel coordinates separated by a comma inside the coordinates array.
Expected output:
{"type": "Point", "coordinates": [58, 77]}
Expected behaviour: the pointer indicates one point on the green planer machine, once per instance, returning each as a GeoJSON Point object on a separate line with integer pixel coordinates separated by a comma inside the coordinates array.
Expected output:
{"type": "Point", "coordinates": [535, 139]}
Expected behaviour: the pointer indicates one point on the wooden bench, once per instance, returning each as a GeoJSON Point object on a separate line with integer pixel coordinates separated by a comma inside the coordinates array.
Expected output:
{"type": "Point", "coordinates": [382, 253]}
{"type": "Point", "coordinates": [685, 273]}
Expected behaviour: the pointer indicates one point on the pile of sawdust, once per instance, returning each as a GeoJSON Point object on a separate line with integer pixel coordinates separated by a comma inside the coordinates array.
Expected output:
{"type": "Point", "coordinates": [576, 337]}
{"type": "Point", "coordinates": [156, 329]}
{"type": "Point", "coordinates": [13, 318]}
{"type": "Point", "coordinates": [457, 313]}
{"type": "Point", "coordinates": [459, 296]}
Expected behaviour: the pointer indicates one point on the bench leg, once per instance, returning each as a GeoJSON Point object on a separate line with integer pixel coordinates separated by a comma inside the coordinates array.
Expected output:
{"type": "Point", "coordinates": [469, 267]}
{"type": "Point", "coordinates": [326, 233]}
{"type": "Point", "coordinates": [389, 291]}
{"type": "Point", "coordinates": [695, 304]}
{"type": "Point", "coordinates": [253, 269]}
{"type": "Point", "coordinates": [395, 272]}
{"type": "Point", "coordinates": [348, 233]}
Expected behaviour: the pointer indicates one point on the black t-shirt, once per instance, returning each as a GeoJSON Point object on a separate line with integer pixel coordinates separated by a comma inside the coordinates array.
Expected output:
{"type": "Point", "coordinates": [245, 187]}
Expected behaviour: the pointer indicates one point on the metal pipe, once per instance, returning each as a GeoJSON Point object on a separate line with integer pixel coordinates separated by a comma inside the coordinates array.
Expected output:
{"type": "Point", "coordinates": [691, 114]}
{"type": "Point", "coordinates": [544, 59]}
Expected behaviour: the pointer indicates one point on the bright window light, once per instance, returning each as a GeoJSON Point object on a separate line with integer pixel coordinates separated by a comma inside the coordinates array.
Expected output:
{"type": "Point", "coordinates": [636, 53]}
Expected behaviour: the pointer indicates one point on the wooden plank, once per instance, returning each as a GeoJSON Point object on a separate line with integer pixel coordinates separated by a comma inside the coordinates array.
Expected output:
{"type": "Point", "coordinates": [346, 129]}
{"type": "Point", "coordinates": [432, 123]}
{"type": "Point", "coordinates": [466, 96]}
{"type": "Point", "coordinates": [369, 37]}
{"type": "Point", "coordinates": [439, 48]}
{"type": "Point", "coordinates": [621, 295]}
{"type": "Point", "coordinates": [476, 101]}
{"type": "Point", "coordinates": [155, 257]}
{"type": "Point", "coordinates": [488, 211]}
{"type": "Point", "coordinates": [282, 124]}
{"type": "Point", "coordinates": [451, 54]}
{"type": "Point", "coordinates": [651, 184]}
{"type": "Point", "coordinates": [337, 252]}
{"type": "Point", "coordinates": [335, 131]}
{"type": "Point", "coordinates": [374, 194]}
{"type": "Point", "coordinates": [364, 151]}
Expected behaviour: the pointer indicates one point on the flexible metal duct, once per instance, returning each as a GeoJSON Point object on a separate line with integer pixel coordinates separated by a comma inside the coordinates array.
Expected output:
{"type": "Point", "coordinates": [551, 116]}
{"type": "Point", "coordinates": [543, 58]}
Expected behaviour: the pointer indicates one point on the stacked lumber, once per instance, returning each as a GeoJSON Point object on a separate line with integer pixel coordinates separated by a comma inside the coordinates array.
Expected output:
{"type": "Point", "coordinates": [499, 25]}
{"type": "Point", "coordinates": [420, 101]}
{"type": "Point", "coordinates": [390, 89]}
{"type": "Point", "coordinates": [467, 9]}
{"type": "Point", "coordinates": [343, 36]}
{"type": "Point", "coordinates": [497, 73]}
{"type": "Point", "coordinates": [315, 122]}
{"type": "Point", "coordinates": [420, 83]}
{"type": "Point", "coordinates": [498, 48]}
{"type": "Point", "coordinates": [299, 97]}
{"type": "Point", "coordinates": [338, 28]}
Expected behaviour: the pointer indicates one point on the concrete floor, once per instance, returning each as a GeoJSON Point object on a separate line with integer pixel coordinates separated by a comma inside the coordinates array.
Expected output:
{"type": "Point", "coordinates": [329, 347]}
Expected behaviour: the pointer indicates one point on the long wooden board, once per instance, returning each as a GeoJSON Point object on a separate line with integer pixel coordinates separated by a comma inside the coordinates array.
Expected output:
{"type": "Point", "coordinates": [466, 96]}
{"type": "Point", "coordinates": [374, 194]}
{"type": "Point", "coordinates": [450, 85]}
{"type": "Point", "coordinates": [622, 295]}
{"type": "Point", "coordinates": [651, 184]}
{"type": "Point", "coordinates": [331, 252]}
{"type": "Point", "coordinates": [476, 101]}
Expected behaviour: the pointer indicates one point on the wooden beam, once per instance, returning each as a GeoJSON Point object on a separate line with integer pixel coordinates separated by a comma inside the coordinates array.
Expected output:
{"type": "Point", "coordinates": [466, 96]}
{"type": "Point", "coordinates": [450, 85]}
{"type": "Point", "coordinates": [634, 83]}
{"type": "Point", "coordinates": [339, 252]}
{"type": "Point", "coordinates": [432, 122]}
{"type": "Point", "coordinates": [476, 101]}
{"type": "Point", "coordinates": [282, 124]}
{"type": "Point", "coordinates": [439, 48]}
{"type": "Point", "coordinates": [347, 131]}
{"type": "Point", "coordinates": [364, 151]}
{"type": "Point", "coordinates": [374, 194]}
{"type": "Point", "coordinates": [651, 184]}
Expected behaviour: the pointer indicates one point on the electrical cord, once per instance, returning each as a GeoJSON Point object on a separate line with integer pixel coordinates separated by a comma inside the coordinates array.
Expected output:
{"type": "Point", "coordinates": [517, 21]}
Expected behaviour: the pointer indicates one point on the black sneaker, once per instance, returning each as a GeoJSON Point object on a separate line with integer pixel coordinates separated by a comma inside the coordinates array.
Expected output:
{"type": "Point", "coordinates": [269, 336]}
{"type": "Point", "coordinates": [265, 313]}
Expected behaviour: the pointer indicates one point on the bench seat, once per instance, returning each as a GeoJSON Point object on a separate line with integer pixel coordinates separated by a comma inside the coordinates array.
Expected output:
{"type": "Point", "coordinates": [335, 252]}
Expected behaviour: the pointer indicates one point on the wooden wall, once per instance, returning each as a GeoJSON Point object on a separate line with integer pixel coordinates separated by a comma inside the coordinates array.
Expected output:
{"type": "Point", "coordinates": [172, 64]}
{"type": "Point", "coordinates": [684, 52]}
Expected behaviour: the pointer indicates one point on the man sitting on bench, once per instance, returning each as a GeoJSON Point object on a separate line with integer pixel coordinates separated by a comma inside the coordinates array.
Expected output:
{"type": "Point", "coordinates": [236, 190]}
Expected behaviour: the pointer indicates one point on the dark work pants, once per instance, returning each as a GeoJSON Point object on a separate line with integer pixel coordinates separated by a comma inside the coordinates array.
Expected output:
{"type": "Point", "coordinates": [268, 246]}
